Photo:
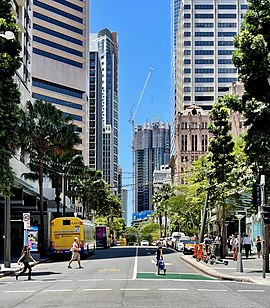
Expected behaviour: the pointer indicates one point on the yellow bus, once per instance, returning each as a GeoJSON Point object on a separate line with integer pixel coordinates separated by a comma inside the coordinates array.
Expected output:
{"type": "Point", "coordinates": [63, 231]}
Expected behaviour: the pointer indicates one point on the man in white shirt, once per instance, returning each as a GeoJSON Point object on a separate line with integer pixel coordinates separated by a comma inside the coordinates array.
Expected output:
{"type": "Point", "coordinates": [247, 244]}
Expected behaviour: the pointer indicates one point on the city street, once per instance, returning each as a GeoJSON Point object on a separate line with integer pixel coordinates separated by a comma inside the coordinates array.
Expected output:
{"type": "Point", "coordinates": [126, 277]}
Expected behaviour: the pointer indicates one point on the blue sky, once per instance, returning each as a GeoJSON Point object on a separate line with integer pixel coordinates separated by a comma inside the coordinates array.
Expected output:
{"type": "Point", "coordinates": [143, 28]}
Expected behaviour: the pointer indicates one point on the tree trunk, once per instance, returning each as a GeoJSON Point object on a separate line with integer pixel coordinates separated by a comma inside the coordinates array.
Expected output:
{"type": "Point", "coordinates": [223, 239]}
{"type": "Point", "coordinates": [58, 193]}
{"type": "Point", "coordinates": [166, 222]}
{"type": "Point", "coordinates": [160, 225]}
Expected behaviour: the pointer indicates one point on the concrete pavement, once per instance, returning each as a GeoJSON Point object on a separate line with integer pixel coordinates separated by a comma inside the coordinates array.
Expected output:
{"type": "Point", "coordinates": [15, 267]}
{"type": "Point", "coordinates": [252, 269]}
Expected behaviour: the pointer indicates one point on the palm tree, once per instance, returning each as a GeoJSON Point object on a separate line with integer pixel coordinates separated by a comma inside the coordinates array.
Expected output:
{"type": "Point", "coordinates": [44, 131]}
{"type": "Point", "coordinates": [160, 198]}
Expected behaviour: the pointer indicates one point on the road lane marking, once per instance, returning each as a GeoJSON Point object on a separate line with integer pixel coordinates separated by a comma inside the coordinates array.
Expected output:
{"type": "Point", "coordinates": [212, 290]}
{"type": "Point", "coordinates": [135, 265]}
{"type": "Point", "coordinates": [250, 290]}
{"type": "Point", "coordinates": [134, 289]}
{"type": "Point", "coordinates": [120, 279]}
{"type": "Point", "coordinates": [169, 289]}
{"type": "Point", "coordinates": [93, 279]}
{"type": "Point", "coordinates": [21, 291]}
{"type": "Point", "coordinates": [47, 280]}
{"type": "Point", "coordinates": [97, 289]}
{"type": "Point", "coordinates": [60, 290]}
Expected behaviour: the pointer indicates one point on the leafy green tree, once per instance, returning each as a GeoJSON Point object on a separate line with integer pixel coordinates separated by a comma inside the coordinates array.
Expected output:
{"type": "Point", "coordinates": [44, 131]}
{"type": "Point", "coordinates": [222, 160]}
{"type": "Point", "coordinates": [131, 234]}
{"type": "Point", "coordinates": [149, 231]}
{"type": "Point", "coordinates": [10, 61]}
{"type": "Point", "coordinates": [252, 60]}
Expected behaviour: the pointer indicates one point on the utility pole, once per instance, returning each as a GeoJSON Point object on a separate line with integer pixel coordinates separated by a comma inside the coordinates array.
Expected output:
{"type": "Point", "coordinates": [265, 230]}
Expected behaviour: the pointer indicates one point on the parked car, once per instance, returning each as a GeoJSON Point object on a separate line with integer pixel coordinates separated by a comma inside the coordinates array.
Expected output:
{"type": "Point", "coordinates": [144, 243]}
{"type": "Point", "coordinates": [189, 247]}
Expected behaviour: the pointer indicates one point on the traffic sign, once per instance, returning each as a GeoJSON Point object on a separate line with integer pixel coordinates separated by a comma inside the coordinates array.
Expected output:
{"type": "Point", "coordinates": [26, 221]}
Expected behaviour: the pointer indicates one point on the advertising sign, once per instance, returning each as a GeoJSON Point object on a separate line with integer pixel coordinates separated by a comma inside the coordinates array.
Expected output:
{"type": "Point", "coordinates": [32, 238]}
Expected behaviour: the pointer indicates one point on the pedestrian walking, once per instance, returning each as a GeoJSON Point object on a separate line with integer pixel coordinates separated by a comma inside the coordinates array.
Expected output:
{"type": "Point", "coordinates": [159, 252]}
{"type": "Point", "coordinates": [247, 245]}
{"type": "Point", "coordinates": [259, 246]}
{"type": "Point", "coordinates": [75, 249]}
{"type": "Point", "coordinates": [234, 245]}
{"type": "Point", "coordinates": [25, 258]}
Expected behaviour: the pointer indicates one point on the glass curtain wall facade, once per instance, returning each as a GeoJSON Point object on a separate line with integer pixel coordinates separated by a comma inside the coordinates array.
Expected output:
{"type": "Point", "coordinates": [60, 60]}
{"type": "Point", "coordinates": [152, 149]}
{"type": "Point", "coordinates": [205, 37]}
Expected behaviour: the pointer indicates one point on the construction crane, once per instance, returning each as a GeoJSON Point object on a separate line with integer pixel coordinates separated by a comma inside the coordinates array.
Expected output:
{"type": "Point", "coordinates": [133, 112]}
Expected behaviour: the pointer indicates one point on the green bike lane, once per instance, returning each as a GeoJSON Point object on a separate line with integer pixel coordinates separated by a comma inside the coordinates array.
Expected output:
{"type": "Point", "coordinates": [175, 268]}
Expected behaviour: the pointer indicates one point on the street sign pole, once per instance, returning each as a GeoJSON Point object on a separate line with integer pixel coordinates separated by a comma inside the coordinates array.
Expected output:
{"type": "Point", "coordinates": [26, 227]}
{"type": "Point", "coordinates": [262, 184]}
{"type": "Point", "coordinates": [7, 243]}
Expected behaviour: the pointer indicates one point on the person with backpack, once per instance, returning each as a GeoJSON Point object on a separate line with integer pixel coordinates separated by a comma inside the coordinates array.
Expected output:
{"type": "Point", "coordinates": [234, 245]}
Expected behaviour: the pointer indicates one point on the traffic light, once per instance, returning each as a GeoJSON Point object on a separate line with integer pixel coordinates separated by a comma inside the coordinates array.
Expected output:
{"type": "Point", "coordinates": [266, 214]}
{"type": "Point", "coordinates": [256, 195]}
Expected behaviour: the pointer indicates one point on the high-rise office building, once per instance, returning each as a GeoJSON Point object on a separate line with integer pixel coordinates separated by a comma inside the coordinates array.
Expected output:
{"type": "Point", "coordinates": [108, 54]}
{"type": "Point", "coordinates": [95, 106]}
{"type": "Point", "coordinates": [151, 149]}
{"type": "Point", "coordinates": [60, 60]}
{"type": "Point", "coordinates": [204, 44]}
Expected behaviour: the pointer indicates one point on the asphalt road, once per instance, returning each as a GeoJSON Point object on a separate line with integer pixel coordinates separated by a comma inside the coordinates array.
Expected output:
{"type": "Point", "coordinates": [126, 277]}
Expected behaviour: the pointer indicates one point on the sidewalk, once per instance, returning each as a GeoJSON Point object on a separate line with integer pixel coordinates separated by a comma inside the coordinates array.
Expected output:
{"type": "Point", "coordinates": [15, 267]}
{"type": "Point", "coordinates": [252, 269]}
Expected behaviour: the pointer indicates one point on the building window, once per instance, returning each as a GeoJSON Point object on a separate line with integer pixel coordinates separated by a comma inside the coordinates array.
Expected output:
{"type": "Point", "coordinates": [187, 34]}
{"type": "Point", "coordinates": [187, 15]}
{"type": "Point", "coordinates": [227, 24]}
{"type": "Point", "coordinates": [204, 98]}
{"type": "Point", "coordinates": [194, 125]}
{"type": "Point", "coordinates": [204, 61]}
{"type": "Point", "coordinates": [187, 89]}
{"type": "Point", "coordinates": [204, 25]}
{"type": "Point", "coordinates": [56, 101]}
{"type": "Point", "coordinates": [199, 80]}
{"type": "Point", "coordinates": [204, 34]}
{"type": "Point", "coordinates": [204, 7]}
{"type": "Point", "coordinates": [227, 7]}
{"type": "Point", "coordinates": [233, 79]}
{"type": "Point", "coordinates": [187, 70]}
{"type": "Point", "coordinates": [187, 98]}
{"type": "Point", "coordinates": [224, 61]}
{"type": "Point", "coordinates": [204, 16]}
{"type": "Point", "coordinates": [187, 25]}
{"type": "Point", "coordinates": [184, 125]}
{"type": "Point", "coordinates": [204, 143]}
{"type": "Point", "coordinates": [187, 52]}
{"type": "Point", "coordinates": [225, 52]}
{"type": "Point", "coordinates": [226, 16]}
{"type": "Point", "coordinates": [204, 89]}
{"type": "Point", "coordinates": [187, 6]}
{"type": "Point", "coordinates": [226, 34]}
{"type": "Point", "coordinates": [184, 143]}
{"type": "Point", "coordinates": [204, 43]}
{"type": "Point", "coordinates": [187, 61]}
{"type": "Point", "coordinates": [187, 43]}
{"type": "Point", "coordinates": [225, 43]}
{"type": "Point", "coordinates": [194, 143]}
{"type": "Point", "coordinates": [204, 52]}
{"type": "Point", "coordinates": [187, 80]}
{"type": "Point", "coordinates": [223, 89]}
{"type": "Point", "coordinates": [227, 70]}
{"type": "Point", "coordinates": [204, 70]}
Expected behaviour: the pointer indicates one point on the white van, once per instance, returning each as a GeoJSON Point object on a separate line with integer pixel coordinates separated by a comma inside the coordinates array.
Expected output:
{"type": "Point", "coordinates": [175, 236]}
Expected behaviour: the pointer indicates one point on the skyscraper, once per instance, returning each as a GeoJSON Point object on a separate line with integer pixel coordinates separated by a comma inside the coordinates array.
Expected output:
{"type": "Point", "coordinates": [95, 106]}
{"type": "Point", "coordinates": [152, 149]}
{"type": "Point", "coordinates": [60, 60]}
{"type": "Point", "coordinates": [108, 54]}
{"type": "Point", "coordinates": [204, 68]}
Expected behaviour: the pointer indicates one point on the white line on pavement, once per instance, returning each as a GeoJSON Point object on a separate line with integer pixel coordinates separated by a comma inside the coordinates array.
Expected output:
{"type": "Point", "coordinates": [47, 280]}
{"type": "Point", "coordinates": [133, 289]}
{"type": "Point", "coordinates": [168, 289]}
{"type": "Point", "coordinates": [25, 291]}
{"type": "Point", "coordinates": [97, 289]}
{"type": "Point", "coordinates": [212, 290]}
{"type": "Point", "coordinates": [250, 290]}
{"type": "Point", "coordinates": [94, 279]}
{"type": "Point", "coordinates": [135, 265]}
{"type": "Point", "coordinates": [60, 290]}
{"type": "Point", "coordinates": [120, 279]}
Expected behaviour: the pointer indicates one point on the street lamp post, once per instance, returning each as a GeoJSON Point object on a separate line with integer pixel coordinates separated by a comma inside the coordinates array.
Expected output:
{"type": "Point", "coordinates": [8, 35]}
{"type": "Point", "coordinates": [239, 257]}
